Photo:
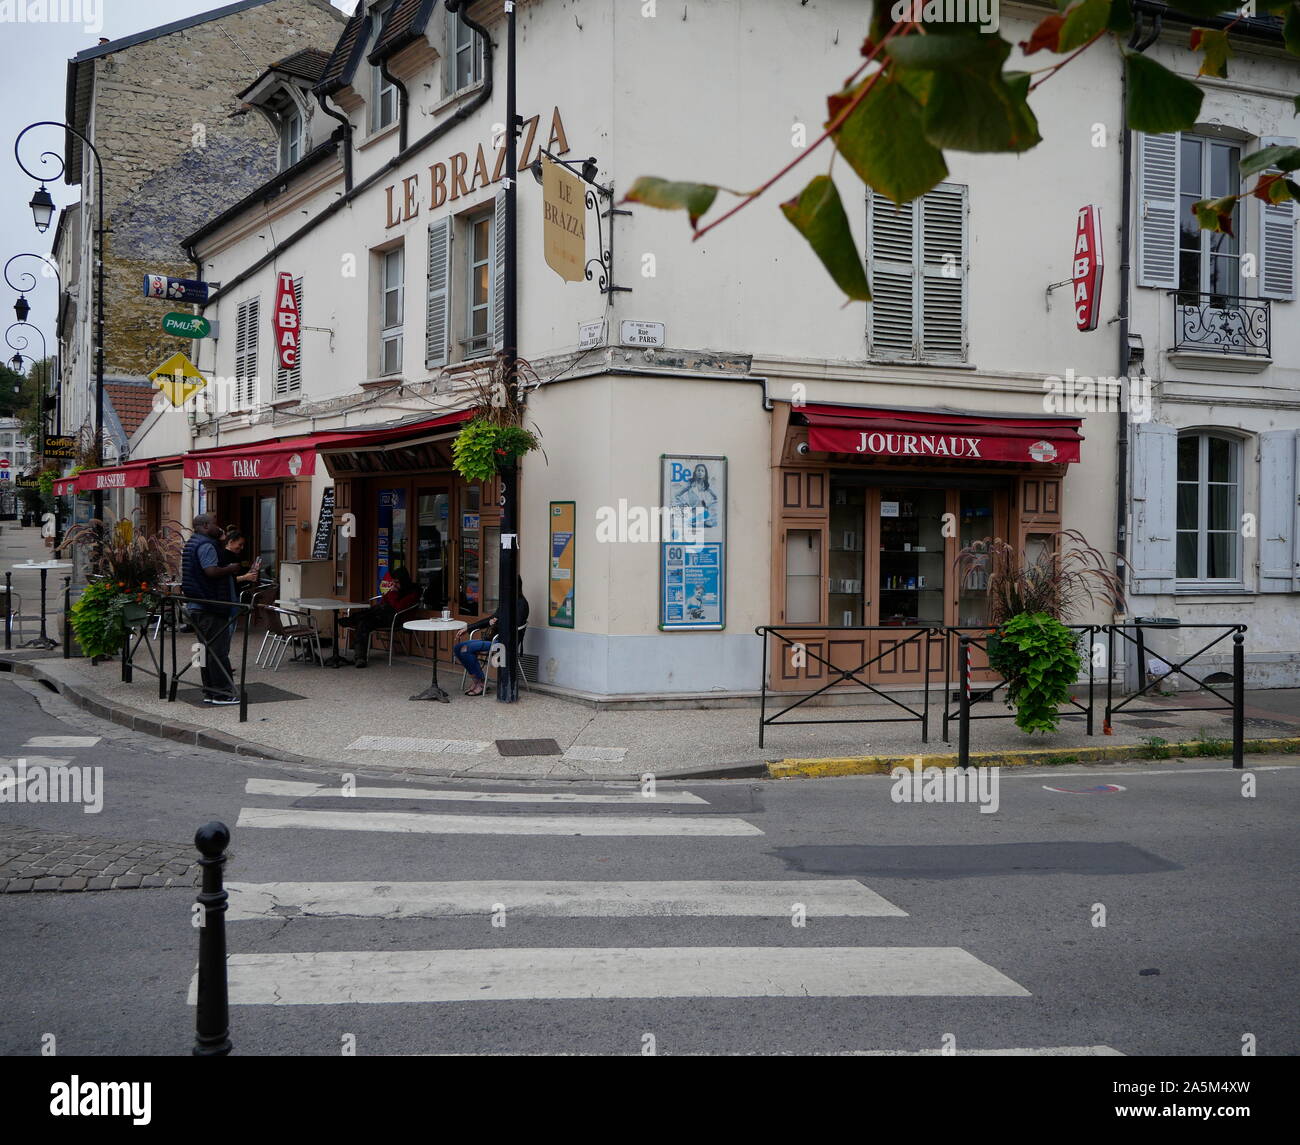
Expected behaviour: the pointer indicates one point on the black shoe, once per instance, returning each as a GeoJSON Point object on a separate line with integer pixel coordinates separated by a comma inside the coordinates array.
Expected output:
{"type": "Point", "coordinates": [221, 699]}
{"type": "Point", "coordinates": [361, 664]}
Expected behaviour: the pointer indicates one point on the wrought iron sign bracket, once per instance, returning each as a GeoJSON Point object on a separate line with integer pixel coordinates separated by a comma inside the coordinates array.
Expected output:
{"type": "Point", "coordinates": [600, 269]}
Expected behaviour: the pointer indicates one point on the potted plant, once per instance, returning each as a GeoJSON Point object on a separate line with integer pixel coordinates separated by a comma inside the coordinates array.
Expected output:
{"type": "Point", "coordinates": [127, 574]}
{"type": "Point", "coordinates": [1031, 603]}
{"type": "Point", "coordinates": [496, 437]}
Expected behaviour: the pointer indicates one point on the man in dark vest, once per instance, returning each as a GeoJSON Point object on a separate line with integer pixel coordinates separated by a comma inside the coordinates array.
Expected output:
{"type": "Point", "coordinates": [205, 579]}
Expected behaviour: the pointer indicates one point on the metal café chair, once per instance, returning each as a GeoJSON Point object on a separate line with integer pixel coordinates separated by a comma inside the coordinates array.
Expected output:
{"type": "Point", "coordinates": [485, 658]}
{"type": "Point", "coordinates": [17, 621]}
{"type": "Point", "coordinates": [285, 628]}
{"type": "Point", "coordinates": [420, 603]}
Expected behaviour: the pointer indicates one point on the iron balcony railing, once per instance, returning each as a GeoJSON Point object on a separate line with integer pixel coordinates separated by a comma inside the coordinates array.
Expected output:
{"type": "Point", "coordinates": [1221, 323]}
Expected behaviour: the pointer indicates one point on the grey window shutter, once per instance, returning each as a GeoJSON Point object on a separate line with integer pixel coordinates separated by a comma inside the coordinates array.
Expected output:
{"type": "Point", "coordinates": [891, 271]}
{"type": "Point", "coordinates": [290, 381]}
{"type": "Point", "coordinates": [247, 321]}
{"type": "Point", "coordinates": [1151, 551]}
{"type": "Point", "coordinates": [1279, 514]}
{"type": "Point", "coordinates": [943, 273]}
{"type": "Point", "coordinates": [1157, 210]}
{"type": "Point", "coordinates": [1277, 241]}
{"type": "Point", "coordinates": [439, 294]}
{"type": "Point", "coordinates": [499, 275]}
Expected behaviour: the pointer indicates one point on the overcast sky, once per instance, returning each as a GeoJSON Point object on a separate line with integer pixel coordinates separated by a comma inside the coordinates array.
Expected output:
{"type": "Point", "coordinates": [32, 87]}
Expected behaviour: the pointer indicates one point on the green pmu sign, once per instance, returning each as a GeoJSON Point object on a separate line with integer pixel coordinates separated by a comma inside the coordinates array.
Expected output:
{"type": "Point", "coordinates": [186, 325]}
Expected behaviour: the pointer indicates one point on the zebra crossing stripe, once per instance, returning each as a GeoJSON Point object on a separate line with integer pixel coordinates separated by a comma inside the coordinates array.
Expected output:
{"type": "Point", "coordinates": [422, 823]}
{"type": "Point", "coordinates": [334, 977]}
{"type": "Point", "coordinates": [823, 898]}
{"type": "Point", "coordinates": [290, 787]}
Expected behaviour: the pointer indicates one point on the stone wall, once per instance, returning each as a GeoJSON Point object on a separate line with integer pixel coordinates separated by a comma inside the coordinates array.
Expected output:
{"type": "Point", "coordinates": [178, 149]}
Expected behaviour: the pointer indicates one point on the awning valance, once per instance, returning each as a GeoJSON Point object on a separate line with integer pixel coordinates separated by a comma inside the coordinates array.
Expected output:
{"type": "Point", "coordinates": [878, 432]}
{"type": "Point", "coordinates": [131, 475]}
{"type": "Point", "coordinates": [409, 433]}
{"type": "Point", "coordinates": [258, 460]}
{"type": "Point", "coordinates": [412, 446]}
{"type": "Point", "coordinates": [65, 486]}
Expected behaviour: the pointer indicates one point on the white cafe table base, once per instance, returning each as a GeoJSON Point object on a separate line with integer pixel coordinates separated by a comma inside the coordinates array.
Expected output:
{"type": "Point", "coordinates": [43, 640]}
{"type": "Point", "coordinates": [433, 691]}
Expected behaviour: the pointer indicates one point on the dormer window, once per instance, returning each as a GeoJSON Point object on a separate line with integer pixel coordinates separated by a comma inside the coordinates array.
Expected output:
{"type": "Point", "coordinates": [384, 102]}
{"type": "Point", "coordinates": [290, 139]}
{"type": "Point", "coordinates": [462, 66]}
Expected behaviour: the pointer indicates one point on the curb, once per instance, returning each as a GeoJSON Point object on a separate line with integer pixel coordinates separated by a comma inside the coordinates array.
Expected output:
{"type": "Point", "coordinates": [1033, 757]}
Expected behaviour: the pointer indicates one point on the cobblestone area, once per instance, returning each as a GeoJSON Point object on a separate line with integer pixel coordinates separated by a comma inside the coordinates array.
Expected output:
{"type": "Point", "coordinates": [35, 860]}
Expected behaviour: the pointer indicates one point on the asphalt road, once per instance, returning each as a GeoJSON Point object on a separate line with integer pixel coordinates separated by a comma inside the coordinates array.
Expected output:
{"type": "Point", "coordinates": [926, 924]}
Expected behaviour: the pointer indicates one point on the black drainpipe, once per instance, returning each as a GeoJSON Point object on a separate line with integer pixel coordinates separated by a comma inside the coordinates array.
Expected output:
{"type": "Point", "coordinates": [347, 138]}
{"type": "Point", "coordinates": [403, 103]}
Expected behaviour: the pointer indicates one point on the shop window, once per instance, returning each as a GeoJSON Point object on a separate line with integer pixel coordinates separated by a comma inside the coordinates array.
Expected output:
{"type": "Point", "coordinates": [491, 568]}
{"type": "Point", "coordinates": [976, 524]}
{"type": "Point", "coordinates": [803, 576]}
{"type": "Point", "coordinates": [912, 556]}
{"type": "Point", "coordinates": [431, 543]}
{"type": "Point", "coordinates": [470, 594]}
{"type": "Point", "coordinates": [847, 552]}
{"type": "Point", "coordinates": [1209, 507]}
{"type": "Point", "coordinates": [391, 537]}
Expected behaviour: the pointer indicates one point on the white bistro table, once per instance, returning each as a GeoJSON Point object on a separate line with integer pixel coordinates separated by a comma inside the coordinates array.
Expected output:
{"type": "Point", "coordinates": [327, 604]}
{"type": "Point", "coordinates": [43, 640]}
{"type": "Point", "coordinates": [433, 691]}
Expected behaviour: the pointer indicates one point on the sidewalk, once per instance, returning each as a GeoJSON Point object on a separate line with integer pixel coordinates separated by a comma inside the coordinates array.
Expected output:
{"type": "Point", "coordinates": [19, 543]}
{"type": "Point", "coordinates": [358, 718]}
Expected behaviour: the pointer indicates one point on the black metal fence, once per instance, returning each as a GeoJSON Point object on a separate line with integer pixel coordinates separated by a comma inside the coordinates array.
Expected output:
{"type": "Point", "coordinates": [958, 708]}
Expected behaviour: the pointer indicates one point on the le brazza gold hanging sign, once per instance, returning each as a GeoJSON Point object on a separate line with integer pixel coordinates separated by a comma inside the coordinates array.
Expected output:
{"type": "Point", "coordinates": [564, 222]}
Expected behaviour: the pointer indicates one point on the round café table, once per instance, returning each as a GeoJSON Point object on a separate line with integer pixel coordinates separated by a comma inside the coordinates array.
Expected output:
{"type": "Point", "coordinates": [43, 640]}
{"type": "Point", "coordinates": [327, 604]}
{"type": "Point", "coordinates": [433, 691]}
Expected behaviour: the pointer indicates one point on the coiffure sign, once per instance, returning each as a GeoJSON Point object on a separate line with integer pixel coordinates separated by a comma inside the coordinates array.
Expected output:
{"type": "Point", "coordinates": [267, 465]}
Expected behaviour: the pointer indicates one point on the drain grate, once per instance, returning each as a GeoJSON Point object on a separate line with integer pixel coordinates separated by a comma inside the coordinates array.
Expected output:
{"type": "Point", "coordinates": [512, 747]}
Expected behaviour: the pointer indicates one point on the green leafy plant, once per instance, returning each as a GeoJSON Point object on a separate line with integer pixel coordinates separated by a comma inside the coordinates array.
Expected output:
{"type": "Point", "coordinates": [1205, 744]}
{"type": "Point", "coordinates": [96, 619]}
{"type": "Point", "coordinates": [1153, 747]}
{"type": "Point", "coordinates": [1038, 657]}
{"type": "Point", "coordinates": [495, 437]}
{"type": "Point", "coordinates": [922, 87]}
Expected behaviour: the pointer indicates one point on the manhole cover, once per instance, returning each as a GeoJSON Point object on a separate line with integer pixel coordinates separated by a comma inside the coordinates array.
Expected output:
{"type": "Point", "coordinates": [528, 747]}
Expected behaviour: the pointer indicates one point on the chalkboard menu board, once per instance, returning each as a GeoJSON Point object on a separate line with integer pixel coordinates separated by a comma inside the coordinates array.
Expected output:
{"type": "Point", "coordinates": [324, 541]}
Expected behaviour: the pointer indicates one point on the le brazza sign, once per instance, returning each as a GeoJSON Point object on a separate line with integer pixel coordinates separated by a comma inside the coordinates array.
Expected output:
{"type": "Point", "coordinates": [252, 465]}
{"type": "Point", "coordinates": [1086, 267]}
{"type": "Point", "coordinates": [286, 321]}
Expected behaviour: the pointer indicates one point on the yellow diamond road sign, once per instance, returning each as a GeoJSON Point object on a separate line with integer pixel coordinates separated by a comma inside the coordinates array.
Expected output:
{"type": "Point", "coordinates": [178, 378]}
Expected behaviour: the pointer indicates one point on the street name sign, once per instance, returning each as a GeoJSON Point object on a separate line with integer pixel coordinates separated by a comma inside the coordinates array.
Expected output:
{"type": "Point", "coordinates": [641, 333]}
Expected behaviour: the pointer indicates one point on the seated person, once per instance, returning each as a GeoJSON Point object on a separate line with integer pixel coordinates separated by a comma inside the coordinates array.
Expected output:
{"type": "Point", "coordinates": [399, 593]}
{"type": "Point", "coordinates": [467, 650]}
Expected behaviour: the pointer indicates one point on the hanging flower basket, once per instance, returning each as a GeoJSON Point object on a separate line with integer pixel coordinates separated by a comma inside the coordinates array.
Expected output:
{"type": "Point", "coordinates": [483, 448]}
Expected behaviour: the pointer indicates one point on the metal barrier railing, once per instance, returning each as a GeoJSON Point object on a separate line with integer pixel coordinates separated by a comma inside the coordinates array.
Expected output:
{"type": "Point", "coordinates": [927, 636]}
{"type": "Point", "coordinates": [923, 635]}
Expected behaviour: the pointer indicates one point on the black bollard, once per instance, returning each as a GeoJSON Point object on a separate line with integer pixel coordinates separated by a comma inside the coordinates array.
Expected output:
{"type": "Point", "coordinates": [212, 1013]}
{"type": "Point", "coordinates": [9, 610]}
{"type": "Point", "coordinates": [963, 722]}
{"type": "Point", "coordinates": [67, 621]}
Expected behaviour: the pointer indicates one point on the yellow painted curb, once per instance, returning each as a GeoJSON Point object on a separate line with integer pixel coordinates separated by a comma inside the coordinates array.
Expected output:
{"type": "Point", "coordinates": [1028, 757]}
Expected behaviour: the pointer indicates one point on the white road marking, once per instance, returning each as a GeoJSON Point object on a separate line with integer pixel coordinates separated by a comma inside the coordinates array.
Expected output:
{"type": "Point", "coordinates": [291, 787]}
{"type": "Point", "coordinates": [429, 824]}
{"type": "Point", "coordinates": [62, 741]}
{"type": "Point", "coordinates": [335, 977]}
{"type": "Point", "coordinates": [1227, 769]}
{"type": "Point", "coordinates": [825, 898]}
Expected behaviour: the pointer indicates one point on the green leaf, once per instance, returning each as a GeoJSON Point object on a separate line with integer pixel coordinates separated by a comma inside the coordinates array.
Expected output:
{"type": "Point", "coordinates": [1215, 214]}
{"type": "Point", "coordinates": [884, 141]}
{"type": "Point", "coordinates": [970, 105]}
{"type": "Point", "coordinates": [818, 214]}
{"type": "Point", "coordinates": [694, 198]}
{"type": "Point", "coordinates": [1082, 21]}
{"type": "Point", "coordinates": [1291, 29]}
{"type": "Point", "coordinates": [1120, 20]}
{"type": "Point", "coordinates": [1214, 42]}
{"type": "Point", "coordinates": [1282, 158]}
{"type": "Point", "coordinates": [1158, 100]}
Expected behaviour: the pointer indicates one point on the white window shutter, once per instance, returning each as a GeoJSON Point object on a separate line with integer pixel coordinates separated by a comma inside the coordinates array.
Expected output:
{"type": "Point", "coordinates": [1279, 514]}
{"type": "Point", "coordinates": [891, 271]}
{"type": "Point", "coordinates": [1157, 210]}
{"type": "Point", "coordinates": [436, 322]}
{"type": "Point", "coordinates": [1151, 548]}
{"type": "Point", "coordinates": [943, 273]}
{"type": "Point", "coordinates": [499, 275]}
{"type": "Point", "coordinates": [1277, 241]}
{"type": "Point", "coordinates": [247, 322]}
{"type": "Point", "coordinates": [290, 381]}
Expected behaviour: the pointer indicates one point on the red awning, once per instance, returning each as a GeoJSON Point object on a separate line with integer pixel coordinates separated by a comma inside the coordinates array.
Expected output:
{"type": "Point", "coordinates": [131, 475]}
{"type": "Point", "coordinates": [258, 460]}
{"type": "Point", "coordinates": [943, 436]}
{"type": "Point", "coordinates": [410, 432]}
{"type": "Point", "coordinates": [65, 486]}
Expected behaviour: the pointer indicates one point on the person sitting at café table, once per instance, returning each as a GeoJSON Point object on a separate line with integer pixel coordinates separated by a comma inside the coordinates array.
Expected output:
{"type": "Point", "coordinates": [467, 650]}
{"type": "Point", "coordinates": [399, 592]}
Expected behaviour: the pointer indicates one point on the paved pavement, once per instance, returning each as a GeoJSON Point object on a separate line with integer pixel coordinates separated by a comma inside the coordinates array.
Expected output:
{"type": "Point", "coordinates": [403, 916]}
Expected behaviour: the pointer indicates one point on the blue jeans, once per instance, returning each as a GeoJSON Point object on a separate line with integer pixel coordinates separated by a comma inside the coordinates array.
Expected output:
{"type": "Point", "coordinates": [467, 653]}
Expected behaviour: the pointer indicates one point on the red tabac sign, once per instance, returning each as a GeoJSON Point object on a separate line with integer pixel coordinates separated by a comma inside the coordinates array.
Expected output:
{"type": "Point", "coordinates": [1087, 267]}
{"type": "Point", "coordinates": [253, 465]}
{"type": "Point", "coordinates": [286, 321]}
